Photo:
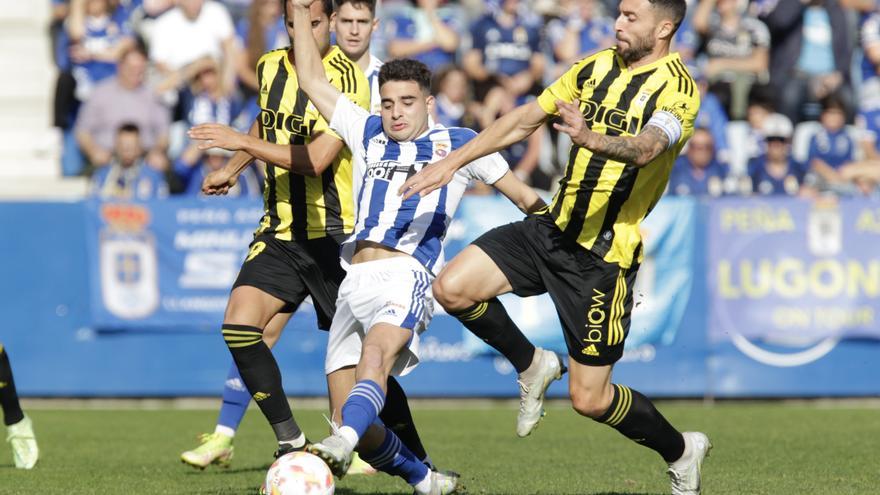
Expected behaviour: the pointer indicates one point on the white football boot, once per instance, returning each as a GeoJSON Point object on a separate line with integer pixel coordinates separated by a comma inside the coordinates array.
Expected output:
{"type": "Point", "coordinates": [533, 383]}
{"type": "Point", "coordinates": [685, 472]}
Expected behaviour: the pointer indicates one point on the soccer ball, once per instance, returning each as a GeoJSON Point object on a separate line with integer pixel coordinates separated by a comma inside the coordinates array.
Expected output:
{"type": "Point", "coordinates": [299, 473]}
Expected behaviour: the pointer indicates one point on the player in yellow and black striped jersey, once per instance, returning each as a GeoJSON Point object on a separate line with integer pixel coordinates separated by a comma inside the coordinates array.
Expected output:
{"type": "Point", "coordinates": [298, 206]}
{"type": "Point", "coordinates": [629, 111]}
{"type": "Point", "coordinates": [309, 210]}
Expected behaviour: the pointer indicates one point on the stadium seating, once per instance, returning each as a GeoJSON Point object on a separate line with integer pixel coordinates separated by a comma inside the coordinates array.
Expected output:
{"type": "Point", "coordinates": [29, 146]}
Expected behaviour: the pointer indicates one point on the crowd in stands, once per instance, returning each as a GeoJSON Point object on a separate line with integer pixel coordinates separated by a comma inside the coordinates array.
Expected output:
{"type": "Point", "coordinates": [790, 88]}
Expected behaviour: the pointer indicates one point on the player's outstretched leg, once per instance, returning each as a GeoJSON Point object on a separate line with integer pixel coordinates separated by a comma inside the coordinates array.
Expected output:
{"type": "Point", "coordinates": [393, 457]}
{"type": "Point", "coordinates": [217, 447]}
{"type": "Point", "coordinates": [360, 410]}
{"type": "Point", "coordinates": [634, 415]}
{"type": "Point", "coordinates": [468, 288]}
{"type": "Point", "coordinates": [537, 368]}
{"type": "Point", "coordinates": [261, 376]}
{"type": "Point", "coordinates": [19, 429]}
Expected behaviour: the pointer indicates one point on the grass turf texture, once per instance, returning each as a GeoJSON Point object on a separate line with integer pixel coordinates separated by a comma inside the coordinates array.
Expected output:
{"type": "Point", "coordinates": [760, 448]}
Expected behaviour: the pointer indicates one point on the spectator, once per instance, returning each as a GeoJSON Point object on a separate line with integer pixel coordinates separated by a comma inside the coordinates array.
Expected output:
{"type": "Point", "coordinates": [96, 43]}
{"type": "Point", "coordinates": [505, 62]}
{"type": "Point", "coordinates": [583, 29]}
{"type": "Point", "coordinates": [194, 165]}
{"type": "Point", "coordinates": [868, 123]}
{"type": "Point", "coordinates": [263, 30]}
{"type": "Point", "coordinates": [453, 105]}
{"type": "Point", "coordinates": [736, 47]}
{"type": "Point", "coordinates": [776, 172]}
{"type": "Point", "coordinates": [712, 116]}
{"type": "Point", "coordinates": [128, 177]}
{"type": "Point", "coordinates": [192, 30]}
{"type": "Point", "coordinates": [208, 98]}
{"type": "Point", "coordinates": [810, 56]}
{"type": "Point", "coordinates": [831, 149]}
{"type": "Point", "coordinates": [697, 172]}
{"type": "Point", "coordinates": [759, 110]}
{"type": "Point", "coordinates": [121, 99]}
{"type": "Point", "coordinates": [426, 32]}
{"type": "Point", "coordinates": [870, 42]}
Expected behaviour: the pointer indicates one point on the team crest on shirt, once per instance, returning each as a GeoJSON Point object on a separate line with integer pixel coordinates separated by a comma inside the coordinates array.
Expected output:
{"type": "Point", "coordinates": [440, 149]}
{"type": "Point", "coordinates": [679, 109]}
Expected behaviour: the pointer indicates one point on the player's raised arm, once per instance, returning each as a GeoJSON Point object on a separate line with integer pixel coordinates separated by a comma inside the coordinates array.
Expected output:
{"type": "Point", "coordinates": [509, 129]}
{"type": "Point", "coordinates": [310, 160]}
{"type": "Point", "coordinates": [310, 68]}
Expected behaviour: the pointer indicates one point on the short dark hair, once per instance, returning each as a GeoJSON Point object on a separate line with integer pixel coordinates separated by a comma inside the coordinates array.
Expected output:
{"type": "Point", "coordinates": [833, 101]}
{"type": "Point", "coordinates": [370, 4]}
{"type": "Point", "coordinates": [676, 9]}
{"type": "Point", "coordinates": [128, 127]}
{"type": "Point", "coordinates": [327, 4]}
{"type": "Point", "coordinates": [406, 69]}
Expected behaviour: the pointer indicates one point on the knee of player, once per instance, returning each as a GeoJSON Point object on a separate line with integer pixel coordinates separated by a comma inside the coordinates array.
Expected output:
{"type": "Point", "coordinates": [372, 360]}
{"type": "Point", "coordinates": [591, 403]}
{"type": "Point", "coordinates": [449, 292]}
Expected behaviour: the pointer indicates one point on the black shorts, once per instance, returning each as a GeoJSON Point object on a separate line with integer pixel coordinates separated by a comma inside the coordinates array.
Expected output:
{"type": "Point", "coordinates": [592, 297]}
{"type": "Point", "coordinates": [292, 270]}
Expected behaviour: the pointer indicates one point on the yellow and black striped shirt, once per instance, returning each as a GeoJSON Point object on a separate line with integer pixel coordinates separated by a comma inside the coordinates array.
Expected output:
{"type": "Point", "coordinates": [299, 207]}
{"type": "Point", "coordinates": [600, 201]}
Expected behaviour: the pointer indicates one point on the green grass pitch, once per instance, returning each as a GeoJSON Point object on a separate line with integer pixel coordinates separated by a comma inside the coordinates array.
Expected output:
{"type": "Point", "coordinates": [760, 448]}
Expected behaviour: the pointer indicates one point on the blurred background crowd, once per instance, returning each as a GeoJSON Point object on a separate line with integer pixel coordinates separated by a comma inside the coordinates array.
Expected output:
{"type": "Point", "coordinates": [790, 88]}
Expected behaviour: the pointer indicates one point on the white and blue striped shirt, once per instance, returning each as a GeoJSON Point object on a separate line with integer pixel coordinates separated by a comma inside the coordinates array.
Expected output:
{"type": "Point", "coordinates": [418, 225]}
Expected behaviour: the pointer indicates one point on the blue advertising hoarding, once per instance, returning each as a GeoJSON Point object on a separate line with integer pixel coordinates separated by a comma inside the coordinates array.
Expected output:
{"type": "Point", "coordinates": [795, 296]}
{"type": "Point", "coordinates": [127, 300]}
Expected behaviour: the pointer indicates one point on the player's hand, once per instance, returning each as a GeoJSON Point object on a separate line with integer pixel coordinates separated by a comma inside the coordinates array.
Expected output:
{"type": "Point", "coordinates": [429, 178]}
{"type": "Point", "coordinates": [218, 182]}
{"type": "Point", "coordinates": [217, 136]}
{"type": "Point", "coordinates": [573, 122]}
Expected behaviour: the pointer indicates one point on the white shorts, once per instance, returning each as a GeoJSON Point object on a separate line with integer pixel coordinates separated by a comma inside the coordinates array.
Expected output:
{"type": "Point", "coordinates": [396, 291]}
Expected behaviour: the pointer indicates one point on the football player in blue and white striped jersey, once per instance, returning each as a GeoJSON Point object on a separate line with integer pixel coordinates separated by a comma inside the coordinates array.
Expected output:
{"type": "Point", "coordinates": [385, 301]}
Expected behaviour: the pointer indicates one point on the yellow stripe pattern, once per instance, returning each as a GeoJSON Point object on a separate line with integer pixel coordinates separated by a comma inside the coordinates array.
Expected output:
{"type": "Point", "coordinates": [296, 206]}
{"type": "Point", "coordinates": [615, 325]}
{"type": "Point", "coordinates": [624, 401]}
{"type": "Point", "coordinates": [475, 313]}
{"type": "Point", "coordinates": [601, 201]}
{"type": "Point", "coordinates": [241, 338]}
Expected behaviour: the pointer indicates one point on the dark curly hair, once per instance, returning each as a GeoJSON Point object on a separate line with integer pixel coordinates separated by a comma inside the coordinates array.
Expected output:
{"type": "Point", "coordinates": [406, 69]}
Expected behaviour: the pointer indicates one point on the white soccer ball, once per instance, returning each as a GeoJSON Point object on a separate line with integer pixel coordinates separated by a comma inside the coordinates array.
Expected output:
{"type": "Point", "coordinates": [299, 473]}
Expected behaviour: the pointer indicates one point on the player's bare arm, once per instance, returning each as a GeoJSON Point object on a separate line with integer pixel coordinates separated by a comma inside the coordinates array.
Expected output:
{"type": "Point", "coordinates": [510, 128]}
{"type": "Point", "coordinates": [219, 181]}
{"type": "Point", "coordinates": [524, 197]}
{"type": "Point", "coordinates": [637, 150]}
{"type": "Point", "coordinates": [309, 66]}
{"type": "Point", "coordinates": [309, 160]}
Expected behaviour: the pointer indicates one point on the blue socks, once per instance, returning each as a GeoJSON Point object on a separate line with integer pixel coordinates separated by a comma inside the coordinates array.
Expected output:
{"type": "Point", "coordinates": [364, 403]}
{"type": "Point", "coordinates": [235, 400]}
{"type": "Point", "coordinates": [394, 458]}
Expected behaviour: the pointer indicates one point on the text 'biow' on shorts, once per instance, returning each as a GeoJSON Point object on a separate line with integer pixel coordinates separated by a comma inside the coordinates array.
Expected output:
{"type": "Point", "coordinates": [592, 297]}
{"type": "Point", "coordinates": [396, 291]}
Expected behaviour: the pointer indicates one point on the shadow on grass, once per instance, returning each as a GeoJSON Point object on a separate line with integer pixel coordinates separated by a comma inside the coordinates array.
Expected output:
{"type": "Point", "coordinates": [227, 471]}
